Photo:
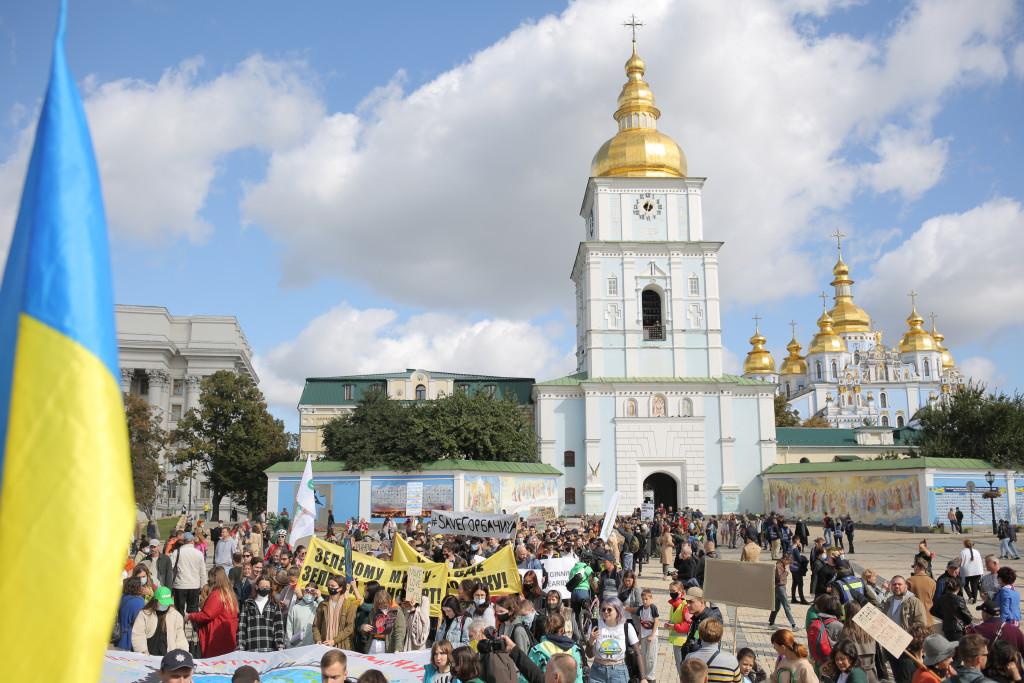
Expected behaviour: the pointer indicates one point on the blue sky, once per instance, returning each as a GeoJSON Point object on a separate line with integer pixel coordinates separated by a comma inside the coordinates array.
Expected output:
{"type": "Point", "coordinates": [388, 185]}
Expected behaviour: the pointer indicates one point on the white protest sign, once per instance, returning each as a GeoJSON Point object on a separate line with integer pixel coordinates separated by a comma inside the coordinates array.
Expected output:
{"type": "Point", "coordinates": [647, 511]}
{"type": "Point", "coordinates": [609, 517]}
{"type": "Point", "coordinates": [474, 524]}
{"type": "Point", "coordinates": [888, 633]}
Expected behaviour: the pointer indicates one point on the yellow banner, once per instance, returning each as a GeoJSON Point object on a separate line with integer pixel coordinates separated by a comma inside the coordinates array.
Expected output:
{"type": "Point", "coordinates": [499, 571]}
{"type": "Point", "coordinates": [324, 560]}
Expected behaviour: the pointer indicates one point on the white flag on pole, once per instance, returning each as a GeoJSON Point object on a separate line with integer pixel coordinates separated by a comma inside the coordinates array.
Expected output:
{"type": "Point", "coordinates": [609, 517]}
{"type": "Point", "coordinates": [305, 506]}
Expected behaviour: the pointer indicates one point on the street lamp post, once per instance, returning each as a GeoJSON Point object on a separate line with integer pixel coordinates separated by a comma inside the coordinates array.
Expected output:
{"type": "Point", "coordinates": [990, 478]}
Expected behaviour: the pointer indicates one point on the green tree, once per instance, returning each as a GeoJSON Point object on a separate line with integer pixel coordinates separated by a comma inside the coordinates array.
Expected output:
{"type": "Point", "coordinates": [232, 438]}
{"type": "Point", "coordinates": [406, 435]}
{"type": "Point", "coordinates": [784, 415]}
{"type": "Point", "coordinates": [815, 421]}
{"type": "Point", "coordinates": [975, 424]}
{"type": "Point", "coordinates": [146, 438]}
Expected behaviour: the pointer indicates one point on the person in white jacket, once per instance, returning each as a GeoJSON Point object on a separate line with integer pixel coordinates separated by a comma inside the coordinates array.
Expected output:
{"type": "Point", "coordinates": [159, 609]}
{"type": "Point", "coordinates": [298, 628]}
{"type": "Point", "coordinates": [971, 569]}
{"type": "Point", "coordinates": [188, 567]}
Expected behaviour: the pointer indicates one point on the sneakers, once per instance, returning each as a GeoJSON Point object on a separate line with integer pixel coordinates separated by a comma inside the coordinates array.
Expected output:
{"type": "Point", "coordinates": [794, 628]}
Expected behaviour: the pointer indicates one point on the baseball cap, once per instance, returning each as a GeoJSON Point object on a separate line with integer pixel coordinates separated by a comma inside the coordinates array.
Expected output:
{"type": "Point", "coordinates": [163, 595]}
{"type": "Point", "coordinates": [176, 659]}
{"type": "Point", "coordinates": [189, 536]}
{"type": "Point", "coordinates": [952, 564]}
{"type": "Point", "coordinates": [992, 607]}
{"type": "Point", "coordinates": [153, 542]}
{"type": "Point", "coordinates": [245, 674]}
{"type": "Point", "coordinates": [694, 592]}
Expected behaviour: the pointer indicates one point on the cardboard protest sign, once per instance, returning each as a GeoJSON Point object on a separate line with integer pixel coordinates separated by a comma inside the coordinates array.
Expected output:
{"type": "Point", "coordinates": [883, 629]}
{"type": "Point", "coordinates": [744, 584]}
{"type": "Point", "coordinates": [414, 584]}
{"type": "Point", "coordinates": [366, 547]}
{"type": "Point", "coordinates": [473, 524]}
{"type": "Point", "coordinates": [538, 522]}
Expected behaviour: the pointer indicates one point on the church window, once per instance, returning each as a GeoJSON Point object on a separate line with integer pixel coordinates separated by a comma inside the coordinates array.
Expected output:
{"type": "Point", "coordinates": [883, 400]}
{"type": "Point", "coordinates": [885, 420]}
{"type": "Point", "coordinates": [856, 358]}
{"type": "Point", "coordinates": [686, 408]}
{"type": "Point", "coordinates": [491, 389]}
{"type": "Point", "coordinates": [900, 421]}
{"type": "Point", "coordinates": [569, 459]}
{"type": "Point", "coordinates": [927, 368]}
{"type": "Point", "coordinates": [787, 390]}
{"type": "Point", "coordinates": [651, 306]}
{"type": "Point", "coordinates": [817, 370]}
{"type": "Point", "coordinates": [570, 496]}
{"type": "Point", "coordinates": [349, 391]}
{"type": "Point", "coordinates": [834, 373]}
{"type": "Point", "coordinates": [694, 286]}
{"type": "Point", "coordinates": [613, 285]}
{"type": "Point", "coordinates": [421, 392]}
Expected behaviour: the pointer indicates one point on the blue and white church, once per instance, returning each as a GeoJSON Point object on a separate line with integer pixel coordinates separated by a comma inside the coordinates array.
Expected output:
{"type": "Point", "coordinates": [649, 412]}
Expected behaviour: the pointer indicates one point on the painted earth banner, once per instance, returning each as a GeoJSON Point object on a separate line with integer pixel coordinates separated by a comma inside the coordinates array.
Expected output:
{"type": "Point", "coordinates": [297, 664]}
{"type": "Point", "coordinates": [499, 571]}
{"type": "Point", "coordinates": [324, 560]}
{"type": "Point", "coordinates": [474, 524]}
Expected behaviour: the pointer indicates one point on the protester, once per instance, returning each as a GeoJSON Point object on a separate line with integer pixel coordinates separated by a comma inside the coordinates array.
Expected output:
{"type": "Point", "coordinates": [175, 666]}
{"type": "Point", "coordinates": [629, 596]}
{"type": "Point", "coordinates": [869, 655]}
{"type": "Point", "coordinates": [792, 665]}
{"type": "Point", "coordinates": [386, 628]}
{"type": "Point", "coordinates": [781, 599]}
{"type": "Point", "coordinates": [506, 612]}
{"type": "Point", "coordinates": [132, 603]}
{"type": "Point", "coordinates": [973, 651]}
{"type": "Point", "coordinates": [693, 671]}
{"type": "Point", "coordinates": [454, 623]}
{"type": "Point", "coordinates": [825, 630]}
{"type": "Point", "coordinates": [553, 605]}
{"type": "Point", "coordinates": [466, 666]}
{"type": "Point", "coordinates": [843, 665]}
{"type": "Point", "coordinates": [298, 627]}
{"type": "Point", "coordinates": [1008, 598]}
{"type": "Point", "coordinates": [952, 610]}
{"type": "Point", "coordinates": [699, 611]}
{"type": "Point", "coordinates": [531, 589]}
{"type": "Point", "coordinates": [668, 549]}
{"type": "Point", "coordinates": [482, 607]}
{"type": "Point", "coordinates": [971, 569]}
{"type": "Point", "coordinates": [990, 582]}
{"type": "Point", "coordinates": [798, 567]}
{"type": "Point", "coordinates": [875, 593]}
{"type": "Point", "coordinates": [608, 642]}
{"type": "Point", "coordinates": [364, 614]}
{"type": "Point", "coordinates": [555, 642]}
{"type": "Point", "coordinates": [750, 670]}
{"type": "Point", "coordinates": [937, 659]}
{"type": "Point", "coordinates": [923, 587]}
{"type": "Point", "coordinates": [159, 627]}
{"type": "Point", "coordinates": [218, 619]}
{"type": "Point", "coordinates": [678, 621]}
{"type": "Point", "coordinates": [722, 666]}
{"type": "Point", "coordinates": [260, 622]}
{"type": "Point", "coordinates": [902, 608]}
{"type": "Point", "coordinates": [189, 570]}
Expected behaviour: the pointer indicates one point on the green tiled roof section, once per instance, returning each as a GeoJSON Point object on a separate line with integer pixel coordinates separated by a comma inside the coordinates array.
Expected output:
{"type": "Point", "coordinates": [581, 378]}
{"type": "Point", "coordinates": [330, 391]}
{"type": "Point", "coordinates": [875, 465]}
{"type": "Point", "coordinates": [458, 465]}
{"type": "Point", "coordinates": [833, 438]}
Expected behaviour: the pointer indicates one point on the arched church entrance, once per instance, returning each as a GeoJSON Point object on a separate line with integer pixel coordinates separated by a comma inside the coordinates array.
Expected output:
{"type": "Point", "coordinates": [664, 488]}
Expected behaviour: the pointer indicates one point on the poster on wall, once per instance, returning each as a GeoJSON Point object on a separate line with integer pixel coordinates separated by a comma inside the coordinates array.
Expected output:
{"type": "Point", "coordinates": [391, 496]}
{"type": "Point", "coordinates": [414, 499]}
{"type": "Point", "coordinates": [868, 499]}
{"type": "Point", "coordinates": [955, 493]}
{"type": "Point", "coordinates": [525, 496]}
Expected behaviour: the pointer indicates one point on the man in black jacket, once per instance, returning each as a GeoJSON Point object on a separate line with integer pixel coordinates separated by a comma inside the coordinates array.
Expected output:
{"type": "Point", "coordinates": [699, 611]}
{"type": "Point", "coordinates": [801, 531]}
{"type": "Point", "coordinates": [160, 564]}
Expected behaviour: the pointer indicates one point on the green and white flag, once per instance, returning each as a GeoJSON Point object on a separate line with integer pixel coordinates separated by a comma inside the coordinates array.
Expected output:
{"type": "Point", "coordinates": [305, 506]}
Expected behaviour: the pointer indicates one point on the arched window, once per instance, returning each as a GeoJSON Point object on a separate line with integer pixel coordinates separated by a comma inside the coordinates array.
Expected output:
{"type": "Point", "coordinates": [569, 459]}
{"type": "Point", "coordinates": [421, 392]}
{"type": "Point", "coordinates": [570, 496]}
{"type": "Point", "coordinates": [900, 422]}
{"type": "Point", "coordinates": [834, 373]}
{"type": "Point", "coordinates": [349, 391]}
{"type": "Point", "coordinates": [882, 400]}
{"type": "Point", "coordinates": [686, 408]}
{"type": "Point", "coordinates": [817, 369]}
{"type": "Point", "coordinates": [650, 302]}
{"type": "Point", "coordinates": [885, 420]}
{"type": "Point", "coordinates": [613, 285]}
{"type": "Point", "coordinates": [927, 368]}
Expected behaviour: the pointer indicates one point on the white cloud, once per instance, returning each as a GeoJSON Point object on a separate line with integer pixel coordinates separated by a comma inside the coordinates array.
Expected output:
{"type": "Point", "coordinates": [346, 340]}
{"type": "Point", "coordinates": [968, 267]}
{"type": "Point", "coordinates": [983, 370]}
{"type": "Point", "coordinates": [909, 162]}
{"type": "Point", "coordinates": [1018, 60]}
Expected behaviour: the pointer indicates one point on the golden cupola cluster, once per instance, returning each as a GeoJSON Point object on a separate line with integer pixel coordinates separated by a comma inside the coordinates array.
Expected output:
{"type": "Point", "coordinates": [638, 149]}
{"type": "Point", "coordinates": [947, 358]}
{"type": "Point", "coordinates": [759, 361]}
{"type": "Point", "coordinates": [826, 340]}
{"type": "Point", "coordinates": [846, 315]}
{"type": "Point", "coordinates": [794, 363]}
{"type": "Point", "coordinates": [916, 339]}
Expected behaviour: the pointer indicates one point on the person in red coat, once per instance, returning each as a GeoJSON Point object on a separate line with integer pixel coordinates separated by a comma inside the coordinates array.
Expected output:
{"type": "Point", "coordinates": [218, 620]}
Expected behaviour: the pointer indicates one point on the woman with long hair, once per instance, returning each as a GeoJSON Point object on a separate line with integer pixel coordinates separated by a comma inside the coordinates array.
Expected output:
{"type": "Point", "coordinates": [364, 613]}
{"type": "Point", "coordinates": [145, 576]}
{"type": "Point", "coordinates": [256, 540]}
{"type": "Point", "coordinates": [870, 658]}
{"type": "Point", "coordinates": [454, 623]}
{"type": "Point", "coordinates": [553, 605]}
{"type": "Point", "coordinates": [971, 569]}
{"type": "Point", "coordinates": [532, 591]}
{"type": "Point", "coordinates": [335, 620]}
{"type": "Point", "coordinates": [466, 665]}
{"type": "Point", "coordinates": [482, 607]}
{"type": "Point", "coordinates": [629, 595]}
{"type": "Point", "coordinates": [218, 620]}
{"type": "Point", "coordinates": [159, 627]}
{"type": "Point", "coordinates": [793, 665]}
{"type": "Point", "coordinates": [843, 665]}
{"type": "Point", "coordinates": [132, 603]}
{"type": "Point", "coordinates": [1002, 666]}
{"type": "Point", "coordinates": [951, 609]}
{"type": "Point", "coordinates": [386, 627]}
{"type": "Point", "coordinates": [607, 643]}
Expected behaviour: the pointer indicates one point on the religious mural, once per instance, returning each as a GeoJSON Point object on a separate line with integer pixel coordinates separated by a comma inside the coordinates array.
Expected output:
{"type": "Point", "coordinates": [526, 496]}
{"type": "Point", "coordinates": [868, 499]}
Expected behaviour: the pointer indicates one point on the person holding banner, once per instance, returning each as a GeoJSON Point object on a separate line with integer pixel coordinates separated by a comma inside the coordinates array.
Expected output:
{"type": "Point", "coordinates": [260, 622]}
{"type": "Point", "coordinates": [386, 629]}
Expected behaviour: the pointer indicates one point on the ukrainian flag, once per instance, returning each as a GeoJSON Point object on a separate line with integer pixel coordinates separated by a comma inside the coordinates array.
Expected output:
{"type": "Point", "coordinates": [66, 499]}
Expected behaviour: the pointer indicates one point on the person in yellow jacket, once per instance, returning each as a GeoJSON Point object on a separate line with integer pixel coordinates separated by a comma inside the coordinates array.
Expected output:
{"type": "Point", "coordinates": [678, 623]}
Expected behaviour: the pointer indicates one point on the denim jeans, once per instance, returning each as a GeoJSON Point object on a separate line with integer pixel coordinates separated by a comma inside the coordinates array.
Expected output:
{"type": "Point", "coordinates": [627, 560]}
{"type": "Point", "coordinates": [1007, 548]}
{"type": "Point", "coordinates": [781, 601]}
{"type": "Point", "coordinates": [616, 673]}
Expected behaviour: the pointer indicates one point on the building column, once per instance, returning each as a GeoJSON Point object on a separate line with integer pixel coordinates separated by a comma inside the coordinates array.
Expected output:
{"type": "Point", "coordinates": [193, 389]}
{"type": "Point", "coordinates": [126, 379]}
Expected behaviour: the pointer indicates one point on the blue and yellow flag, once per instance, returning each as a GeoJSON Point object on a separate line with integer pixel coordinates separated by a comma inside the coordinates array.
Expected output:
{"type": "Point", "coordinates": [66, 499]}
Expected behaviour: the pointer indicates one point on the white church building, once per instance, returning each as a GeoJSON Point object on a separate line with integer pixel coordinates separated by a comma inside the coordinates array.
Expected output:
{"type": "Point", "coordinates": [649, 411]}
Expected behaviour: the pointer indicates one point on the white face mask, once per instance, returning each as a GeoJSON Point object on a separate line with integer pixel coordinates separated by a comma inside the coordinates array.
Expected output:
{"type": "Point", "coordinates": [162, 608]}
{"type": "Point", "coordinates": [144, 580]}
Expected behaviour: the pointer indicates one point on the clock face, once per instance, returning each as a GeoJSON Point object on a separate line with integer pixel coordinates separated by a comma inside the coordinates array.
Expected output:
{"type": "Point", "coordinates": [647, 207]}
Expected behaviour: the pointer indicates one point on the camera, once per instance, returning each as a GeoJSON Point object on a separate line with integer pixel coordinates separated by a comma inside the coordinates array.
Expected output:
{"type": "Point", "coordinates": [490, 642]}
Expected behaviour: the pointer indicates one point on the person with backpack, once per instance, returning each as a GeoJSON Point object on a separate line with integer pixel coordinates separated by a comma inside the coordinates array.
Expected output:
{"type": "Point", "coordinates": [506, 612]}
{"type": "Point", "coordinates": [555, 642]}
{"type": "Point", "coordinates": [798, 565]}
{"type": "Point", "coordinates": [824, 632]}
{"type": "Point", "coordinates": [678, 621]}
{"type": "Point", "coordinates": [608, 643]}
{"type": "Point", "coordinates": [973, 650]}
{"type": "Point", "coordinates": [792, 665]}
{"type": "Point", "coordinates": [454, 623]}
{"type": "Point", "coordinates": [132, 603]}
{"type": "Point", "coordinates": [723, 667]}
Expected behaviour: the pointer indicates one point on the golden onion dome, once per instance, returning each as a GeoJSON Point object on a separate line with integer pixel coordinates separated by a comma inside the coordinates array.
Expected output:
{"type": "Point", "coordinates": [947, 357]}
{"type": "Point", "coordinates": [638, 149]}
{"type": "Point", "coordinates": [794, 363]}
{"type": "Point", "coordinates": [826, 340]}
{"type": "Point", "coordinates": [846, 315]}
{"type": "Point", "coordinates": [758, 361]}
{"type": "Point", "coordinates": [916, 339]}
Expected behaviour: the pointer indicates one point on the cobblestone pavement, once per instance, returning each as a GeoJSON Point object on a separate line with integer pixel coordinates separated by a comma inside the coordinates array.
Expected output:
{"type": "Point", "coordinates": [886, 552]}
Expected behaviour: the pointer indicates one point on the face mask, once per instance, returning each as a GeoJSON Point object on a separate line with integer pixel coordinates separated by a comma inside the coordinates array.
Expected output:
{"type": "Point", "coordinates": [162, 608]}
{"type": "Point", "coordinates": [480, 601]}
{"type": "Point", "coordinates": [673, 596]}
{"type": "Point", "coordinates": [307, 599]}
{"type": "Point", "coordinates": [475, 546]}
{"type": "Point", "coordinates": [528, 618]}
{"type": "Point", "coordinates": [332, 591]}
{"type": "Point", "coordinates": [529, 585]}
{"type": "Point", "coordinates": [502, 617]}
{"type": "Point", "coordinates": [263, 592]}
{"type": "Point", "coordinates": [144, 579]}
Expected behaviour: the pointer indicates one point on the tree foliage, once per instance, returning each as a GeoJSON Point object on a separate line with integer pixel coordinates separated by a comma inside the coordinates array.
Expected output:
{"type": "Point", "coordinates": [815, 421]}
{"type": "Point", "coordinates": [406, 435]}
{"type": "Point", "coordinates": [975, 424]}
{"type": "Point", "coordinates": [784, 415]}
{"type": "Point", "coordinates": [232, 438]}
{"type": "Point", "coordinates": [146, 438]}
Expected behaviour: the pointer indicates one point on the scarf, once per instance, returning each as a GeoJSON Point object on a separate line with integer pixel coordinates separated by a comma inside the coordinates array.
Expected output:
{"type": "Point", "coordinates": [334, 610]}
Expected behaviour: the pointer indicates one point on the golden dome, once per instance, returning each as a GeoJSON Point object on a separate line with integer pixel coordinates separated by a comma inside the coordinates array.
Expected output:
{"type": "Point", "coordinates": [638, 149]}
{"type": "Point", "coordinates": [916, 339]}
{"type": "Point", "coordinates": [794, 363]}
{"type": "Point", "coordinates": [759, 361]}
{"type": "Point", "coordinates": [947, 358]}
{"type": "Point", "coordinates": [826, 340]}
{"type": "Point", "coordinates": [846, 315]}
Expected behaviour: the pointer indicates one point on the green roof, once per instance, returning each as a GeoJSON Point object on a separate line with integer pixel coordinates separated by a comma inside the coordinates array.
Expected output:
{"type": "Point", "coordinates": [457, 465]}
{"type": "Point", "coordinates": [834, 438]}
{"type": "Point", "coordinates": [581, 378]}
{"type": "Point", "coordinates": [330, 391]}
{"type": "Point", "coordinates": [868, 465]}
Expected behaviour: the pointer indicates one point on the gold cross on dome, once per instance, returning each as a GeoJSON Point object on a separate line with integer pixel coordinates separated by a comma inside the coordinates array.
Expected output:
{"type": "Point", "coordinates": [913, 298]}
{"type": "Point", "coordinates": [871, 323]}
{"type": "Point", "coordinates": [633, 25]}
{"type": "Point", "coordinates": [839, 239]}
{"type": "Point", "coordinates": [823, 296]}
{"type": "Point", "coordinates": [792, 324]}
{"type": "Point", "coordinates": [756, 319]}
{"type": "Point", "coordinates": [933, 317]}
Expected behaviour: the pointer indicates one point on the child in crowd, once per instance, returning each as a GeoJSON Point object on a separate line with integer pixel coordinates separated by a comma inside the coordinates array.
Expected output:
{"type": "Point", "coordinates": [648, 614]}
{"type": "Point", "coordinates": [750, 670]}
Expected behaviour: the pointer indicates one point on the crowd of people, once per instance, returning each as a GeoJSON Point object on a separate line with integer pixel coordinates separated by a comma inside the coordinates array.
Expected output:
{"type": "Point", "coordinates": [602, 627]}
